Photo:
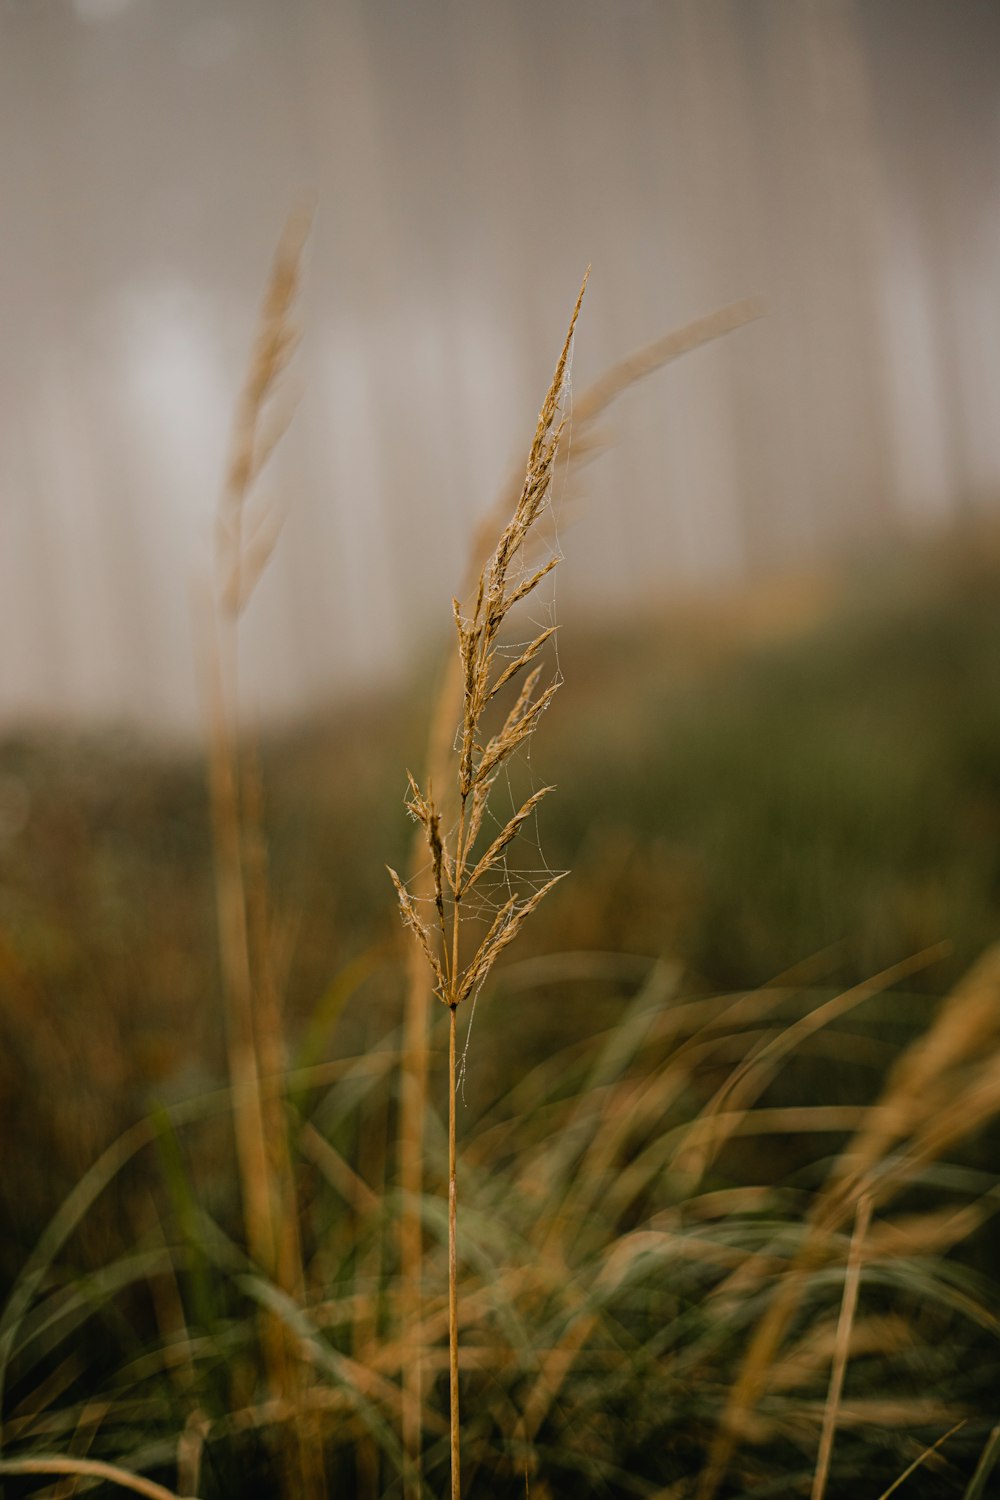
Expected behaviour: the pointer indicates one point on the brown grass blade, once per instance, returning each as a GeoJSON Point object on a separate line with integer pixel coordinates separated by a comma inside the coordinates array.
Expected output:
{"type": "Point", "coordinates": [91, 1468]}
{"type": "Point", "coordinates": [848, 1306]}
{"type": "Point", "coordinates": [921, 1459]}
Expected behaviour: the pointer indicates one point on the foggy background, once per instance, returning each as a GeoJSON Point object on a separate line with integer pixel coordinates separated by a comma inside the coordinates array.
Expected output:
{"type": "Point", "coordinates": [468, 160]}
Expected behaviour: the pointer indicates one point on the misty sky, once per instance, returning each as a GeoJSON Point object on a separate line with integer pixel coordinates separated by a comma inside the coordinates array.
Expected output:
{"type": "Point", "coordinates": [468, 160]}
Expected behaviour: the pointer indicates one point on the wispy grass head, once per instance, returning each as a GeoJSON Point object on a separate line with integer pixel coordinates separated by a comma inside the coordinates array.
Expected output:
{"type": "Point", "coordinates": [458, 860]}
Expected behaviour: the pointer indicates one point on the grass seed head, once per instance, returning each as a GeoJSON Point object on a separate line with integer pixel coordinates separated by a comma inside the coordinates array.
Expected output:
{"type": "Point", "coordinates": [457, 863]}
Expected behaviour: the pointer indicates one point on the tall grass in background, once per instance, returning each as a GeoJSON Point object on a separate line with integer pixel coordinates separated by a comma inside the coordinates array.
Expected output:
{"type": "Point", "coordinates": [698, 1257]}
{"type": "Point", "coordinates": [245, 538]}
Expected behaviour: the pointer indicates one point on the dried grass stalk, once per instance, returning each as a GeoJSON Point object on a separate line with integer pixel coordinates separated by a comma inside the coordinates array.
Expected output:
{"type": "Point", "coordinates": [246, 532]}
{"type": "Point", "coordinates": [842, 1346]}
{"type": "Point", "coordinates": [921, 1459]}
{"type": "Point", "coordinates": [455, 865]}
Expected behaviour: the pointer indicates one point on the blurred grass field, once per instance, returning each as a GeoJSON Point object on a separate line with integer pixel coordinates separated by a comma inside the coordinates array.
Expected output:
{"type": "Point", "coordinates": [802, 780]}
{"type": "Point", "coordinates": [736, 795]}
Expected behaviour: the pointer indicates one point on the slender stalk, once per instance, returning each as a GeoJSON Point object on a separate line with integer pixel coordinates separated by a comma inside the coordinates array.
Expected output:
{"type": "Point", "coordinates": [842, 1349]}
{"type": "Point", "coordinates": [413, 1107]}
{"type": "Point", "coordinates": [234, 940]}
{"type": "Point", "coordinates": [246, 533]}
{"type": "Point", "coordinates": [456, 1483]}
{"type": "Point", "coordinates": [922, 1458]}
{"type": "Point", "coordinates": [454, 866]}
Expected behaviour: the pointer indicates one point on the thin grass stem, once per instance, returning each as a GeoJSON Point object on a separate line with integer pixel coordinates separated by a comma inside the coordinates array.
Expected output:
{"type": "Point", "coordinates": [848, 1307]}
{"type": "Point", "coordinates": [456, 1484]}
{"type": "Point", "coordinates": [921, 1459]}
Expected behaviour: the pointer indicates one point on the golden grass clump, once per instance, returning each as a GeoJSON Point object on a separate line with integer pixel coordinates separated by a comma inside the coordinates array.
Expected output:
{"type": "Point", "coordinates": [943, 1089]}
